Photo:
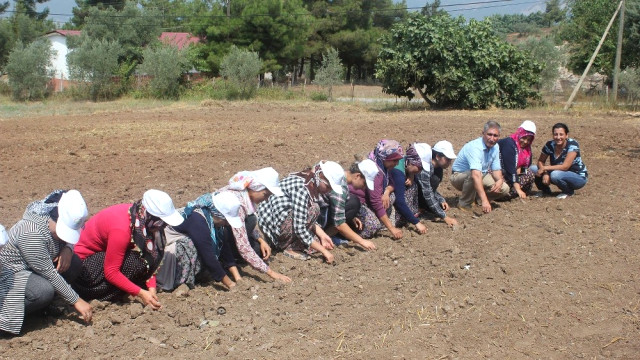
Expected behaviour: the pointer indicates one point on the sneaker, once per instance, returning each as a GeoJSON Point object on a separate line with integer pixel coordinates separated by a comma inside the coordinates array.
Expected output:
{"type": "Point", "coordinates": [562, 196]}
{"type": "Point", "coordinates": [337, 241]}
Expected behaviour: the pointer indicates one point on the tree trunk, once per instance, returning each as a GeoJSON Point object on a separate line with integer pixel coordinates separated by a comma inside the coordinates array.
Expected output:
{"type": "Point", "coordinates": [301, 72]}
{"type": "Point", "coordinates": [429, 101]}
{"type": "Point", "coordinates": [312, 73]}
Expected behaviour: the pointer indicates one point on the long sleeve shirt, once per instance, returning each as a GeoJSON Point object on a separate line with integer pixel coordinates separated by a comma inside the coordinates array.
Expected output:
{"type": "Point", "coordinates": [509, 160]}
{"type": "Point", "coordinates": [109, 231]}
{"type": "Point", "coordinates": [31, 249]}
{"type": "Point", "coordinates": [428, 181]}
{"type": "Point", "coordinates": [397, 180]}
{"type": "Point", "coordinates": [372, 198]}
{"type": "Point", "coordinates": [241, 234]}
{"type": "Point", "coordinates": [296, 199]}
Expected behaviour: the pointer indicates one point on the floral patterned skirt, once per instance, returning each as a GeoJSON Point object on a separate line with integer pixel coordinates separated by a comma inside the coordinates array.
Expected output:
{"type": "Point", "coordinates": [411, 198]}
{"type": "Point", "coordinates": [288, 239]}
{"type": "Point", "coordinates": [91, 283]}
{"type": "Point", "coordinates": [370, 222]}
{"type": "Point", "coordinates": [526, 180]}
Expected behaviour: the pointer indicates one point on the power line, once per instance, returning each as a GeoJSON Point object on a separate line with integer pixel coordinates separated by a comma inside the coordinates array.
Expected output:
{"type": "Point", "coordinates": [346, 12]}
{"type": "Point", "coordinates": [496, 6]}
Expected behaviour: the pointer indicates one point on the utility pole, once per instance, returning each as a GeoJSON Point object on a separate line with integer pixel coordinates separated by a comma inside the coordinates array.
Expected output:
{"type": "Point", "coordinates": [228, 8]}
{"type": "Point", "coordinates": [616, 69]}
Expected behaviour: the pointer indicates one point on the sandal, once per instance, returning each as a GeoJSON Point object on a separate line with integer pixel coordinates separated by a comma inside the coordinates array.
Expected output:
{"type": "Point", "coordinates": [296, 255]}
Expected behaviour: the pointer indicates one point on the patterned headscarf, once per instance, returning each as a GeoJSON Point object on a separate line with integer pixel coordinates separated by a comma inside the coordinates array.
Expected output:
{"type": "Point", "coordinates": [524, 154]}
{"type": "Point", "coordinates": [204, 203]}
{"type": "Point", "coordinates": [244, 180]}
{"type": "Point", "coordinates": [412, 158]}
{"type": "Point", "coordinates": [44, 206]}
{"type": "Point", "coordinates": [150, 247]}
{"type": "Point", "coordinates": [386, 150]}
{"type": "Point", "coordinates": [311, 178]}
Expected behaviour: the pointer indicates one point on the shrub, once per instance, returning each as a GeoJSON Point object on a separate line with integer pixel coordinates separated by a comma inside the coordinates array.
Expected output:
{"type": "Point", "coordinates": [549, 56]}
{"type": "Point", "coordinates": [94, 63]}
{"type": "Point", "coordinates": [630, 83]}
{"type": "Point", "coordinates": [242, 68]}
{"type": "Point", "coordinates": [318, 96]}
{"type": "Point", "coordinates": [165, 64]}
{"type": "Point", "coordinates": [331, 72]}
{"type": "Point", "coordinates": [28, 70]}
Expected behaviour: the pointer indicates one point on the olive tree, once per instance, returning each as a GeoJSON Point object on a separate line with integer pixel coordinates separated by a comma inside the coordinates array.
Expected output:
{"type": "Point", "coordinates": [453, 64]}
{"type": "Point", "coordinates": [165, 64]}
{"type": "Point", "coordinates": [242, 68]}
{"type": "Point", "coordinates": [331, 72]}
{"type": "Point", "coordinates": [94, 64]}
{"type": "Point", "coordinates": [28, 68]}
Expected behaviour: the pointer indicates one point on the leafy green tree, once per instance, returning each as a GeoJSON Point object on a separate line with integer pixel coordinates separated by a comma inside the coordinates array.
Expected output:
{"type": "Point", "coordinates": [544, 51]}
{"type": "Point", "coordinates": [432, 9]}
{"type": "Point", "coordinates": [554, 13]}
{"type": "Point", "coordinates": [132, 27]}
{"type": "Point", "coordinates": [7, 40]}
{"type": "Point", "coordinates": [82, 8]}
{"type": "Point", "coordinates": [583, 31]}
{"type": "Point", "coordinates": [94, 63]}
{"type": "Point", "coordinates": [331, 72]}
{"type": "Point", "coordinates": [165, 64]}
{"type": "Point", "coordinates": [454, 64]}
{"type": "Point", "coordinates": [275, 29]}
{"type": "Point", "coordinates": [174, 13]}
{"type": "Point", "coordinates": [28, 70]}
{"type": "Point", "coordinates": [630, 82]}
{"type": "Point", "coordinates": [353, 27]}
{"type": "Point", "coordinates": [517, 23]}
{"type": "Point", "coordinates": [631, 44]}
{"type": "Point", "coordinates": [242, 68]}
{"type": "Point", "coordinates": [24, 25]}
{"type": "Point", "coordinates": [28, 7]}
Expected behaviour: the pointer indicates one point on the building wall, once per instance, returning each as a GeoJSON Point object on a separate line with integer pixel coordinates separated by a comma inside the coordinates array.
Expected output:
{"type": "Point", "coordinates": [59, 60]}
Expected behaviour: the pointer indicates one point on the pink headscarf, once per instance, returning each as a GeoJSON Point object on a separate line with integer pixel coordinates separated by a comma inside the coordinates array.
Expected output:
{"type": "Point", "coordinates": [524, 154]}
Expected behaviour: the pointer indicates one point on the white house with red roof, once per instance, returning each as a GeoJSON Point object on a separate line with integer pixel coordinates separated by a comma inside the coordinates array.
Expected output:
{"type": "Point", "coordinates": [58, 40]}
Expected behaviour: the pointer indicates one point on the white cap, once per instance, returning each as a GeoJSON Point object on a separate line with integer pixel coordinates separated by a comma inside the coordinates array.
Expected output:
{"type": "Point", "coordinates": [72, 214]}
{"type": "Point", "coordinates": [229, 205]}
{"type": "Point", "coordinates": [4, 237]}
{"type": "Point", "coordinates": [445, 147]}
{"type": "Point", "coordinates": [424, 151]}
{"type": "Point", "coordinates": [369, 170]}
{"type": "Point", "coordinates": [334, 173]}
{"type": "Point", "coordinates": [529, 125]}
{"type": "Point", "coordinates": [158, 203]}
{"type": "Point", "coordinates": [269, 178]}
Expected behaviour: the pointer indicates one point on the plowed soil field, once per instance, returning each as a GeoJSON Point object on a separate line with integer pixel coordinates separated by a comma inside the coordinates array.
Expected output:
{"type": "Point", "coordinates": [541, 278]}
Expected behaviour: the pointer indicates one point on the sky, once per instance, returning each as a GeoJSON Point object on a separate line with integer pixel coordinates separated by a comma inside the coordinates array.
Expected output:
{"type": "Point", "coordinates": [477, 9]}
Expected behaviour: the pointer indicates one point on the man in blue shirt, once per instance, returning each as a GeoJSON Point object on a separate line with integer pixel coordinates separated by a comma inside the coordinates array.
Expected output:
{"type": "Point", "coordinates": [476, 170]}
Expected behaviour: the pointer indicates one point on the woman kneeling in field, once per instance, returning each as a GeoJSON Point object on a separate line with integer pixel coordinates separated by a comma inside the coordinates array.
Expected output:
{"type": "Point", "coordinates": [406, 202]}
{"type": "Point", "coordinates": [338, 211]}
{"type": "Point", "coordinates": [205, 235]}
{"type": "Point", "coordinates": [434, 161]}
{"type": "Point", "coordinates": [566, 169]}
{"type": "Point", "coordinates": [36, 261]}
{"type": "Point", "coordinates": [515, 158]}
{"type": "Point", "coordinates": [289, 221]}
{"type": "Point", "coordinates": [121, 248]}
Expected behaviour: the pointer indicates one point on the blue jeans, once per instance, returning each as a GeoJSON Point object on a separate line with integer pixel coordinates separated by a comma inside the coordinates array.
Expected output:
{"type": "Point", "coordinates": [567, 181]}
